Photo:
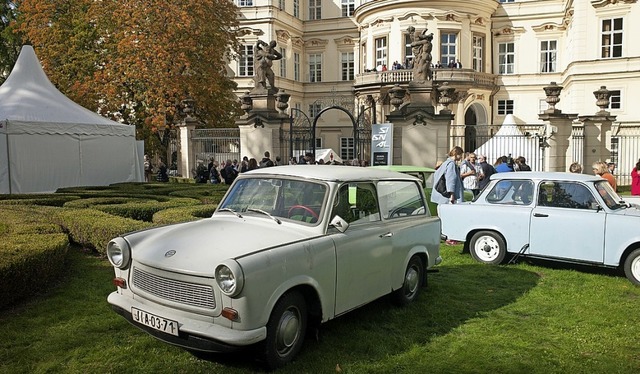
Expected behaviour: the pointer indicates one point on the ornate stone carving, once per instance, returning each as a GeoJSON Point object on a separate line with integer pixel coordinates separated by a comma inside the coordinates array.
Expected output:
{"type": "Point", "coordinates": [604, 3]}
{"type": "Point", "coordinates": [602, 99]}
{"type": "Point", "coordinates": [446, 96]}
{"type": "Point", "coordinates": [397, 96]}
{"type": "Point", "coordinates": [283, 36]}
{"type": "Point", "coordinates": [553, 96]}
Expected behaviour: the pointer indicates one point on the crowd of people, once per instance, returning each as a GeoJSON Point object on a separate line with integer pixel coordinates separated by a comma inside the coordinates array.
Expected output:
{"type": "Point", "coordinates": [468, 171]}
{"type": "Point", "coordinates": [226, 171]}
{"type": "Point", "coordinates": [408, 64]}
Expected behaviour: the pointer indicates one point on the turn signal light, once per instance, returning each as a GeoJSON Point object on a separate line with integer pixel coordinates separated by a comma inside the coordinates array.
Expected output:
{"type": "Point", "coordinates": [120, 282]}
{"type": "Point", "coordinates": [230, 314]}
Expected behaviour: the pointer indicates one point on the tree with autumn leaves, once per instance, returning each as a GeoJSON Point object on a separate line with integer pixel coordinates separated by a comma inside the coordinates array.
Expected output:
{"type": "Point", "coordinates": [135, 61]}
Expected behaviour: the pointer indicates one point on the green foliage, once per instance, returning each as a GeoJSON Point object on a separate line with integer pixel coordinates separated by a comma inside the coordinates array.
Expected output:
{"type": "Point", "coordinates": [93, 229]}
{"type": "Point", "coordinates": [10, 41]}
{"type": "Point", "coordinates": [29, 263]}
{"type": "Point", "coordinates": [32, 252]}
{"type": "Point", "coordinates": [183, 214]}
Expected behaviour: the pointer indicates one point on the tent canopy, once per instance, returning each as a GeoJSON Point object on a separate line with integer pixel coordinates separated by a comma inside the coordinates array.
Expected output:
{"type": "Point", "coordinates": [47, 141]}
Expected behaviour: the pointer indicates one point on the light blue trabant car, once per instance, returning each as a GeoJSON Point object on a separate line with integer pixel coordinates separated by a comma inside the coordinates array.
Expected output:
{"type": "Point", "coordinates": [288, 247]}
{"type": "Point", "coordinates": [565, 217]}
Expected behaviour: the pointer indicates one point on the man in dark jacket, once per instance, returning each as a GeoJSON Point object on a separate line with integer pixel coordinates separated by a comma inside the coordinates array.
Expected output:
{"type": "Point", "coordinates": [266, 161]}
{"type": "Point", "coordinates": [487, 171]}
{"type": "Point", "coordinates": [229, 173]}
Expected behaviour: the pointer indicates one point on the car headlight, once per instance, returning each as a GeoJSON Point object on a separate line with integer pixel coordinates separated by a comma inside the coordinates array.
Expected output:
{"type": "Point", "coordinates": [230, 278]}
{"type": "Point", "coordinates": [119, 253]}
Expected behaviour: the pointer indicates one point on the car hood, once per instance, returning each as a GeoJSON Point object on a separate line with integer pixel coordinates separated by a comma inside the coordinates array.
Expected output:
{"type": "Point", "coordinates": [201, 245]}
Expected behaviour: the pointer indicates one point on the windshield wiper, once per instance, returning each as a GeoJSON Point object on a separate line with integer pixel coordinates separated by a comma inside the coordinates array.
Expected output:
{"type": "Point", "coordinates": [265, 213]}
{"type": "Point", "coordinates": [230, 210]}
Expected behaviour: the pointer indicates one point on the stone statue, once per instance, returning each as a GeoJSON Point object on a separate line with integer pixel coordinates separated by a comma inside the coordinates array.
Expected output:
{"type": "Point", "coordinates": [264, 55]}
{"type": "Point", "coordinates": [421, 46]}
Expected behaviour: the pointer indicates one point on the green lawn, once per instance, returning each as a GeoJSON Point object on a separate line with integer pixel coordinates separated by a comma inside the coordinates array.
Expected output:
{"type": "Point", "coordinates": [470, 319]}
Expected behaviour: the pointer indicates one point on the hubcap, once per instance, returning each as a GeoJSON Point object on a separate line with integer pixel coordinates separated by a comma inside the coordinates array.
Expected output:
{"type": "Point", "coordinates": [288, 330]}
{"type": "Point", "coordinates": [411, 281]}
{"type": "Point", "coordinates": [487, 248]}
{"type": "Point", "coordinates": [635, 268]}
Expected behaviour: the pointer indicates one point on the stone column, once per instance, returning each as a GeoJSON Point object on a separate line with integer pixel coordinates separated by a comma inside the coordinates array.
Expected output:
{"type": "Point", "coordinates": [420, 136]}
{"type": "Point", "coordinates": [597, 129]}
{"type": "Point", "coordinates": [260, 126]}
{"type": "Point", "coordinates": [557, 134]}
{"type": "Point", "coordinates": [186, 158]}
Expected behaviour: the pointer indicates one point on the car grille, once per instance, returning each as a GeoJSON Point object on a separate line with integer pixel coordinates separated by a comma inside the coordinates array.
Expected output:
{"type": "Point", "coordinates": [197, 295]}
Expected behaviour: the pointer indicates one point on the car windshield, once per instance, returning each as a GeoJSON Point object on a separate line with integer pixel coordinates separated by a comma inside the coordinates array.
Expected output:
{"type": "Point", "coordinates": [297, 200]}
{"type": "Point", "coordinates": [610, 197]}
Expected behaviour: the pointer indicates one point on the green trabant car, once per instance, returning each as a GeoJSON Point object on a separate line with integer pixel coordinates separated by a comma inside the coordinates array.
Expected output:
{"type": "Point", "coordinates": [424, 173]}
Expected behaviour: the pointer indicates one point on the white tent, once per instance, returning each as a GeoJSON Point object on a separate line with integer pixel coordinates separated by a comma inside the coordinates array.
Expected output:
{"type": "Point", "coordinates": [47, 141]}
{"type": "Point", "coordinates": [327, 155]}
{"type": "Point", "coordinates": [509, 140]}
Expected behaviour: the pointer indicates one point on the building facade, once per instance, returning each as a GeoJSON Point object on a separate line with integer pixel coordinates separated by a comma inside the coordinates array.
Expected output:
{"type": "Point", "coordinates": [352, 52]}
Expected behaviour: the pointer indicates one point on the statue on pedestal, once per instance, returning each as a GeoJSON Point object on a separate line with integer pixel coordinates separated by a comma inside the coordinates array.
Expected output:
{"type": "Point", "coordinates": [421, 44]}
{"type": "Point", "coordinates": [264, 55]}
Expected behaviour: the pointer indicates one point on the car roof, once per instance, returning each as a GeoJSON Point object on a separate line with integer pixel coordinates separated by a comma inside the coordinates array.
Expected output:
{"type": "Point", "coordinates": [545, 175]}
{"type": "Point", "coordinates": [405, 168]}
{"type": "Point", "coordinates": [330, 173]}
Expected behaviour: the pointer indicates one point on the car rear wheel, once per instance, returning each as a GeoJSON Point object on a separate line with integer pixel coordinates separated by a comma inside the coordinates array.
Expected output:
{"type": "Point", "coordinates": [488, 247]}
{"type": "Point", "coordinates": [285, 330]}
{"type": "Point", "coordinates": [413, 278]}
{"type": "Point", "coordinates": [632, 267]}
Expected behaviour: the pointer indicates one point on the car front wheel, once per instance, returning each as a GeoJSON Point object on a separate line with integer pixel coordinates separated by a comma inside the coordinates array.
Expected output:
{"type": "Point", "coordinates": [488, 247]}
{"type": "Point", "coordinates": [413, 277]}
{"type": "Point", "coordinates": [285, 330]}
{"type": "Point", "coordinates": [632, 267]}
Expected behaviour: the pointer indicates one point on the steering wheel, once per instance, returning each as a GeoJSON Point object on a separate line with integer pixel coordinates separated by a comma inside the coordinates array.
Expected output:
{"type": "Point", "coordinates": [302, 207]}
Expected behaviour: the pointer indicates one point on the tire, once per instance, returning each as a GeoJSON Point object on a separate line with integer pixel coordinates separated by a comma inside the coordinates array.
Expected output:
{"type": "Point", "coordinates": [488, 247]}
{"type": "Point", "coordinates": [414, 276]}
{"type": "Point", "coordinates": [286, 330]}
{"type": "Point", "coordinates": [632, 267]}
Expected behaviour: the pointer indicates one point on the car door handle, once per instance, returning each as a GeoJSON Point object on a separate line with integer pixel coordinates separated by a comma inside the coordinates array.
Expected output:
{"type": "Point", "coordinates": [387, 235]}
{"type": "Point", "coordinates": [540, 215]}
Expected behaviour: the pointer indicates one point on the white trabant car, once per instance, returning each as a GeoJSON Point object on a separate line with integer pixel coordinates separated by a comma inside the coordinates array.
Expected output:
{"type": "Point", "coordinates": [288, 247]}
{"type": "Point", "coordinates": [565, 217]}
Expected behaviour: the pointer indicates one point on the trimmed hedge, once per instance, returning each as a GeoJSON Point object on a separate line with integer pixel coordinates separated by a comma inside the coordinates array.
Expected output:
{"type": "Point", "coordinates": [32, 251]}
{"type": "Point", "coordinates": [183, 214]}
{"type": "Point", "coordinates": [29, 264]}
{"type": "Point", "coordinates": [93, 229]}
{"type": "Point", "coordinates": [37, 228]}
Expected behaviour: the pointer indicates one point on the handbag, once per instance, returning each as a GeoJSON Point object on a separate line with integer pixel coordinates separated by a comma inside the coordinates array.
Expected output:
{"type": "Point", "coordinates": [441, 187]}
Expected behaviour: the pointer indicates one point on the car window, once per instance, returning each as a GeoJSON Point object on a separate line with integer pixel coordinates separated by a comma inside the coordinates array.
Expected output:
{"type": "Point", "coordinates": [561, 194]}
{"type": "Point", "coordinates": [400, 199]}
{"type": "Point", "coordinates": [610, 197]}
{"type": "Point", "coordinates": [293, 199]}
{"type": "Point", "coordinates": [357, 203]}
{"type": "Point", "coordinates": [511, 192]}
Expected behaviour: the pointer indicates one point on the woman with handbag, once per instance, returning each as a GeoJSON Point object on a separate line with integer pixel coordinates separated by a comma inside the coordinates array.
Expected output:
{"type": "Point", "coordinates": [450, 174]}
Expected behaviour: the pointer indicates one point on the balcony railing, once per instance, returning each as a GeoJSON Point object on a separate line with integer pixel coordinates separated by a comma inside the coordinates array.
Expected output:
{"type": "Point", "coordinates": [462, 76]}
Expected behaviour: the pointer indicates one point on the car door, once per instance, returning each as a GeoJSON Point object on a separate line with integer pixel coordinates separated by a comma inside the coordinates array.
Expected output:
{"type": "Point", "coordinates": [362, 250]}
{"type": "Point", "coordinates": [564, 225]}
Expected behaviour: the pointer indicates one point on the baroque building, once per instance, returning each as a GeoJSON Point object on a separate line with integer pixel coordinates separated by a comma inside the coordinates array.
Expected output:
{"type": "Point", "coordinates": [352, 52]}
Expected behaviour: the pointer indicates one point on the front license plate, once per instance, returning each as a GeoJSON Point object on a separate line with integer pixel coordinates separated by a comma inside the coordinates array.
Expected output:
{"type": "Point", "coordinates": [161, 324]}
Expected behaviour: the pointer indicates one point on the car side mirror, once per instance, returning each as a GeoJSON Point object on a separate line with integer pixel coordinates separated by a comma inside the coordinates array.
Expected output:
{"type": "Point", "coordinates": [595, 206]}
{"type": "Point", "coordinates": [339, 223]}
